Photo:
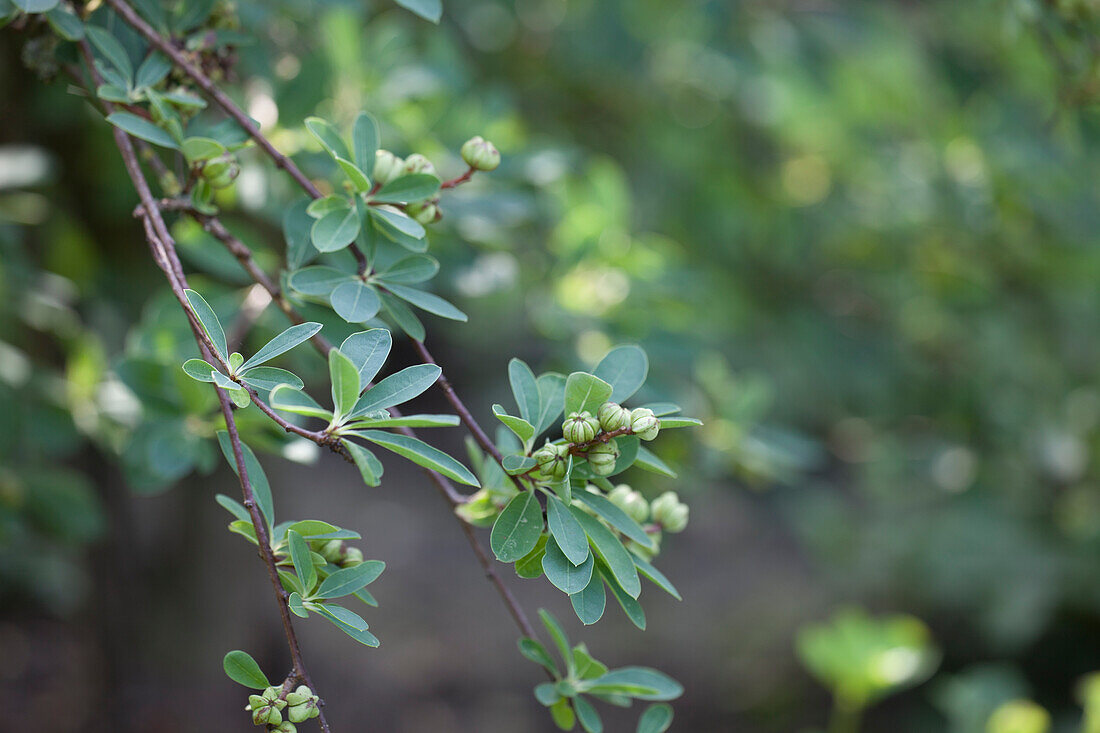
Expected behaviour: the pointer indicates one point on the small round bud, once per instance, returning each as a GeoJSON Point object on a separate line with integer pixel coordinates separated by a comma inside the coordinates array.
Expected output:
{"type": "Point", "coordinates": [602, 457]}
{"type": "Point", "coordinates": [552, 461]}
{"type": "Point", "coordinates": [580, 427]}
{"type": "Point", "coordinates": [352, 556]}
{"type": "Point", "coordinates": [417, 163]}
{"type": "Point", "coordinates": [613, 416]}
{"type": "Point", "coordinates": [631, 502]}
{"type": "Point", "coordinates": [303, 705]}
{"type": "Point", "coordinates": [221, 172]}
{"type": "Point", "coordinates": [480, 154]}
{"type": "Point", "coordinates": [387, 167]}
{"type": "Point", "coordinates": [645, 551]}
{"type": "Point", "coordinates": [424, 212]}
{"type": "Point", "coordinates": [669, 512]}
{"type": "Point", "coordinates": [332, 550]}
{"type": "Point", "coordinates": [285, 727]}
{"type": "Point", "coordinates": [644, 424]}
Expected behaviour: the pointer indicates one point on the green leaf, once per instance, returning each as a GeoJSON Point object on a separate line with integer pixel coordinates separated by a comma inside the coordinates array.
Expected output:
{"type": "Point", "coordinates": [316, 529]}
{"type": "Point", "coordinates": [551, 400]}
{"type": "Point", "coordinates": [113, 93]}
{"type": "Point", "coordinates": [326, 205]}
{"type": "Point", "coordinates": [406, 421]}
{"type": "Point", "coordinates": [412, 269]}
{"type": "Point", "coordinates": [422, 454]}
{"type": "Point", "coordinates": [282, 343]}
{"type": "Point", "coordinates": [530, 565]}
{"type": "Point", "coordinates": [104, 42]}
{"type": "Point", "coordinates": [296, 231]}
{"type": "Point", "coordinates": [287, 399]}
{"type": "Point", "coordinates": [328, 136]}
{"type": "Point", "coordinates": [656, 719]}
{"type": "Point", "coordinates": [523, 429]}
{"type": "Point", "coordinates": [294, 603]}
{"type": "Point", "coordinates": [587, 715]}
{"type": "Point", "coordinates": [349, 580]}
{"type": "Point", "coordinates": [359, 180]}
{"type": "Point", "coordinates": [547, 693]}
{"type": "Point", "coordinates": [585, 392]}
{"type": "Point", "coordinates": [610, 550]}
{"type": "Point", "coordinates": [199, 370]}
{"type": "Point", "coordinates": [427, 301]}
{"type": "Point", "coordinates": [209, 322]}
{"type": "Point", "coordinates": [534, 651]}
{"type": "Point", "coordinates": [405, 319]}
{"type": "Point", "coordinates": [153, 70]}
{"type": "Point", "coordinates": [587, 667]}
{"type": "Point", "coordinates": [566, 577]}
{"type": "Point", "coordinates": [268, 378]}
{"type": "Point", "coordinates": [261, 489]}
{"type": "Point", "coordinates": [245, 529]}
{"type": "Point", "coordinates": [669, 423]}
{"type": "Point", "coordinates": [515, 465]}
{"type": "Point", "coordinates": [336, 229]}
{"type": "Point", "coordinates": [562, 711]}
{"type": "Point", "coordinates": [655, 576]}
{"type": "Point", "coordinates": [355, 301]}
{"type": "Point", "coordinates": [142, 128]}
{"type": "Point", "coordinates": [197, 149]}
{"type": "Point", "coordinates": [233, 506]}
{"type": "Point", "coordinates": [365, 140]}
{"type": "Point", "coordinates": [659, 684]}
{"type": "Point", "coordinates": [370, 468]}
{"type": "Point", "coordinates": [660, 409]}
{"type": "Point", "coordinates": [302, 559]}
{"type": "Point", "coordinates": [368, 351]}
{"type": "Point", "coordinates": [561, 641]}
{"type": "Point", "coordinates": [318, 280]}
{"type": "Point", "coordinates": [397, 388]}
{"type": "Point", "coordinates": [625, 369]}
{"type": "Point", "coordinates": [517, 529]}
{"type": "Point", "coordinates": [589, 604]}
{"type": "Point", "coordinates": [629, 604]}
{"type": "Point", "coordinates": [391, 221]}
{"type": "Point", "coordinates": [407, 189]}
{"type": "Point", "coordinates": [225, 382]}
{"type": "Point", "coordinates": [427, 9]}
{"type": "Point", "coordinates": [649, 461]}
{"type": "Point", "coordinates": [564, 528]}
{"type": "Point", "coordinates": [525, 390]}
{"type": "Point", "coordinates": [183, 99]}
{"type": "Point", "coordinates": [616, 517]}
{"type": "Point", "coordinates": [242, 668]}
{"type": "Point", "coordinates": [65, 23]}
{"type": "Point", "coordinates": [345, 383]}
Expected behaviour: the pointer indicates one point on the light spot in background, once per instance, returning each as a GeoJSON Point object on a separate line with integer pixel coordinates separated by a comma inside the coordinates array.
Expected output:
{"type": "Point", "coordinates": [261, 105]}
{"type": "Point", "coordinates": [490, 27]}
{"type": "Point", "coordinates": [288, 67]}
{"type": "Point", "coordinates": [541, 16]}
{"type": "Point", "coordinates": [954, 469]}
{"type": "Point", "coordinates": [301, 450]}
{"type": "Point", "coordinates": [116, 401]}
{"type": "Point", "coordinates": [592, 345]}
{"type": "Point", "coordinates": [1063, 454]}
{"type": "Point", "coordinates": [544, 168]}
{"type": "Point", "coordinates": [592, 290]}
{"type": "Point", "coordinates": [15, 367]}
{"type": "Point", "coordinates": [896, 665]}
{"type": "Point", "coordinates": [22, 166]}
{"type": "Point", "coordinates": [764, 100]}
{"type": "Point", "coordinates": [252, 187]}
{"type": "Point", "coordinates": [489, 273]}
{"type": "Point", "coordinates": [807, 179]}
{"type": "Point", "coordinates": [24, 207]}
{"type": "Point", "coordinates": [964, 162]}
{"type": "Point", "coordinates": [721, 434]}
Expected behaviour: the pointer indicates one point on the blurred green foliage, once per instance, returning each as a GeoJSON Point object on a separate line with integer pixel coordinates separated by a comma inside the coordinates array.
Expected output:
{"type": "Point", "coordinates": [875, 223]}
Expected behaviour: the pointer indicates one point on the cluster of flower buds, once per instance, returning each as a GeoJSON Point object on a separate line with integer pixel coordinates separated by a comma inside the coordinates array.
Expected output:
{"type": "Point", "coordinates": [552, 462]}
{"type": "Point", "coordinates": [337, 552]}
{"type": "Point", "coordinates": [269, 707]}
{"type": "Point", "coordinates": [596, 436]}
{"type": "Point", "coordinates": [387, 167]}
{"type": "Point", "coordinates": [480, 154]}
{"type": "Point", "coordinates": [669, 512]}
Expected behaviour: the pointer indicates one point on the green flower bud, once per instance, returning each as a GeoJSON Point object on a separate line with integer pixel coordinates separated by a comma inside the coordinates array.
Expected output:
{"type": "Point", "coordinates": [480, 510]}
{"type": "Point", "coordinates": [613, 416]}
{"type": "Point", "coordinates": [352, 556]}
{"type": "Point", "coordinates": [631, 502]}
{"type": "Point", "coordinates": [285, 727]}
{"type": "Point", "coordinates": [602, 457]}
{"type": "Point", "coordinates": [670, 512]}
{"type": "Point", "coordinates": [332, 550]}
{"type": "Point", "coordinates": [293, 699]}
{"type": "Point", "coordinates": [552, 461]}
{"type": "Point", "coordinates": [304, 705]}
{"type": "Point", "coordinates": [645, 551]}
{"type": "Point", "coordinates": [425, 212]}
{"type": "Point", "coordinates": [644, 424]}
{"type": "Point", "coordinates": [417, 163]}
{"type": "Point", "coordinates": [387, 167]}
{"type": "Point", "coordinates": [480, 154]}
{"type": "Point", "coordinates": [580, 427]}
{"type": "Point", "coordinates": [265, 708]}
{"type": "Point", "coordinates": [221, 172]}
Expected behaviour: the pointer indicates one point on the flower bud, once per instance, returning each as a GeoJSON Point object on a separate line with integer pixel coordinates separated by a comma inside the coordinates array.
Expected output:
{"type": "Point", "coordinates": [644, 424]}
{"type": "Point", "coordinates": [303, 705]}
{"type": "Point", "coordinates": [644, 551]}
{"type": "Point", "coordinates": [480, 154]}
{"type": "Point", "coordinates": [552, 461]}
{"type": "Point", "coordinates": [670, 512]}
{"type": "Point", "coordinates": [580, 427]}
{"type": "Point", "coordinates": [602, 457]}
{"type": "Point", "coordinates": [424, 212]}
{"type": "Point", "coordinates": [332, 550]}
{"type": "Point", "coordinates": [613, 416]}
{"type": "Point", "coordinates": [285, 727]}
{"type": "Point", "coordinates": [631, 502]}
{"type": "Point", "coordinates": [220, 172]}
{"type": "Point", "coordinates": [352, 556]}
{"type": "Point", "coordinates": [417, 163]}
{"type": "Point", "coordinates": [387, 167]}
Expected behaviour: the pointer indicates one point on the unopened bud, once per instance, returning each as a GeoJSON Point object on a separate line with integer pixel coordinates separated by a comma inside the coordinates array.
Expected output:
{"type": "Point", "coordinates": [580, 427]}
{"type": "Point", "coordinates": [602, 457]}
{"type": "Point", "coordinates": [424, 212]}
{"type": "Point", "coordinates": [387, 167]}
{"type": "Point", "coordinates": [644, 424]}
{"type": "Point", "coordinates": [480, 154]}
{"type": "Point", "coordinates": [285, 727]}
{"type": "Point", "coordinates": [613, 416]}
{"type": "Point", "coordinates": [221, 172]}
{"type": "Point", "coordinates": [417, 163]}
{"type": "Point", "coordinates": [631, 502]}
{"type": "Point", "coordinates": [332, 550]}
{"type": "Point", "coordinates": [670, 512]}
{"type": "Point", "coordinates": [644, 551]}
{"type": "Point", "coordinates": [551, 460]}
{"type": "Point", "coordinates": [352, 556]}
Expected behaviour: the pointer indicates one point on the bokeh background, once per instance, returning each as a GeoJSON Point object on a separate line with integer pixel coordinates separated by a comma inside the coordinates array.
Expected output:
{"type": "Point", "coordinates": [859, 239]}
